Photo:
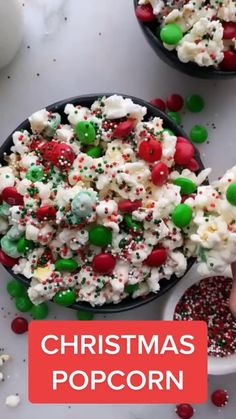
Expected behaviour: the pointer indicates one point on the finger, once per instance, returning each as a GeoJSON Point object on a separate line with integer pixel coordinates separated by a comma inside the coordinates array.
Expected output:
{"type": "Point", "coordinates": [232, 301]}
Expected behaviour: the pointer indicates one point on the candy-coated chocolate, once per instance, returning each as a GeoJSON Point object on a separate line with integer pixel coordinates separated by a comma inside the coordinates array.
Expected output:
{"type": "Point", "coordinates": [23, 303]}
{"type": "Point", "coordinates": [15, 288]}
{"type": "Point", "coordinates": [231, 194]}
{"type": "Point", "coordinates": [145, 13]}
{"type": "Point", "coordinates": [160, 174]}
{"type": "Point", "coordinates": [84, 315]}
{"type": "Point", "coordinates": [66, 265]}
{"type": "Point", "coordinates": [24, 245]}
{"type": "Point", "coordinates": [40, 311]}
{"type": "Point", "coordinates": [35, 173]}
{"type": "Point", "coordinates": [159, 103]}
{"type": "Point", "coordinates": [185, 411]}
{"type": "Point", "coordinates": [187, 185]}
{"type": "Point", "coordinates": [132, 224]}
{"type": "Point", "coordinates": [220, 398]}
{"type": "Point", "coordinates": [46, 212]}
{"type": "Point", "coordinates": [182, 215]}
{"type": "Point", "coordinates": [175, 116]}
{"type": "Point", "coordinates": [229, 30]}
{"type": "Point", "coordinates": [63, 156]}
{"type": "Point", "coordinates": [229, 61]}
{"type": "Point", "coordinates": [100, 236]}
{"type": "Point", "coordinates": [193, 165]}
{"type": "Point", "coordinates": [19, 325]}
{"type": "Point", "coordinates": [195, 103]}
{"type": "Point", "coordinates": [157, 257]}
{"type": "Point", "coordinates": [124, 128]}
{"type": "Point", "coordinates": [131, 288]}
{"type": "Point", "coordinates": [85, 132]}
{"type": "Point", "coordinates": [184, 152]}
{"type": "Point", "coordinates": [171, 34]}
{"type": "Point", "coordinates": [103, 263]}
{"type": "Point", "coordinates": [94, 152]}
{"type": "Point", "coordinates": [7, 260]}
{"type": "Point", "coordinates": [150, 150]}
{"type": "Point", "coordinates": [198, 134]}
{"type": "Point", "coordinates": [175, 102]}
{"type": "Point", "coordinates": [129, 206]}
{"type": "Point", "coordinates": [11, 196]}
{"type": "Point", "coordinates": [65, 298]}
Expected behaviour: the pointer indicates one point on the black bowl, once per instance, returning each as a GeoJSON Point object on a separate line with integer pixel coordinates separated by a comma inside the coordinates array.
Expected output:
{"type": "Point", "coordinates": [87, 100]}
{"type": "Point", "coordinates": [150, 31]}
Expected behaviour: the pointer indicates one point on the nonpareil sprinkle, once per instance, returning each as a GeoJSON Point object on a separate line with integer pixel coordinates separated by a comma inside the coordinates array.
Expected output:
{"type": "Point", "coordinates": [208, 300]}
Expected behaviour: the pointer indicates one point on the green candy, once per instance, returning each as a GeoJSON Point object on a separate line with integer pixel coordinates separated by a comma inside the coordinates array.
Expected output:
{"type": "Point", "coordinates": [66, 265]}
{"type": "Point", "coordinates": [175, 116]}
{"type": "Point", "coordinates": [171, 34]}
{"type": "Point", "coordinates": [23, 303]}
{"type": "Point", "coordinates": [198, 134]}
{"type": "Point", "coordinates": [84, 315]}
{"type": "Point", "coordinates": [85, 132]}
{"type": "Point", "coordinates": [182, 215]}
{"type": "Point", "coordinates": [10, 247]}
{"type": "Point", "coordinates": [100, 236]}
{"type": "Point", "coordinates": [187, 185]}
{"type": "Point", "coordinates": [94, 152]}
{"type": "Point", "coordinates": [195, 103]}
{"type": "Point", "coordinates": [231, 194]}
{"type": "Point", "coordinates": [15, 288]}
{"type": "Point", "coordinates": [40, 311]}
{"type": "Point", "coordinates": [132, 224]}
{"type": "Point", "coordinates": [24, 245]}
{"type": "Point", "coordinates": [65, 298]}
{"type": "Point", "coordinates": [130, 289]}
{"type": "Point", "coordinates": [169, 132]}
{"type": "Point", "coordinates": [35, 173]}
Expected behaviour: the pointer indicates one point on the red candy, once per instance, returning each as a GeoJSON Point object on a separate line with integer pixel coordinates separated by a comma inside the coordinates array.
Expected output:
{"type": "Point", "coordinates": [160, 174]}
{"type": "Point", "coordinates": [47, 149]}
{"type": "Point", "coordinates": [129, 206]}
{"type": "Point", "coordinates": [19, 325]}
{"type": "Point", "coordinates": [103, 263]}
{"type": "Point", "coordinates": [185, 411]}
{"type": "Point", "coordinates": [46, 213]}
{"type": "Point", "coordinates": [11, 196]}
{"type": "Point", "coordinates": [175, 102]}
{"type": "Point", "coordinates": [229, 30]}
{"type": "Point", "coordinates": [193, 165]}
{"type": "Point", "coordinates": [184, 151]}
{"type": "Point", "coordinates": [220, 398]}
{"type": "Point", "coordinates": [7, 260]}
{"type": "Point", "coordinates": [62, 156]}
{"type": "Point", "coordinates": [159, 103]}
{"type": "Point", "coordinates": [36, 145]}
{"type": "Point", "coordinates": [150, 150]}
{"type": "Point", "coordinates": [123, 129]}
{"type": "Point", "coordinates": [229, 61]}
{"type": "Point", "coordinates": [145, 13]}
{"type": "Point", "coordinates": [157, 257]}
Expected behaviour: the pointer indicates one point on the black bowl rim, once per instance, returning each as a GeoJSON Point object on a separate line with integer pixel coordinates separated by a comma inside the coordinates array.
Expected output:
{"type": "Point", "coordinates": [171, 58]}
{"type": "Point", "coordinates": [87, 100]}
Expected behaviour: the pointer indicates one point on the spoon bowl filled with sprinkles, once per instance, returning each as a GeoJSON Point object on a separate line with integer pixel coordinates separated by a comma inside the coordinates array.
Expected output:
{"type": "Point", "coordinates": [207, 299]}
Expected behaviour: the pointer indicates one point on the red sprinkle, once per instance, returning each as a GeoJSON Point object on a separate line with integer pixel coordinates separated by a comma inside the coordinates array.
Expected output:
{"type": "Point", "coordinates": [19, 325]}
{"type": "Point", "coordinates": [175, 102]}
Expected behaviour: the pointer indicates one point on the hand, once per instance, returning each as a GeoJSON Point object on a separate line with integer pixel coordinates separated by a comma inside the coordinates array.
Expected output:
{"type": "Point", "coordinates": [233, 293]}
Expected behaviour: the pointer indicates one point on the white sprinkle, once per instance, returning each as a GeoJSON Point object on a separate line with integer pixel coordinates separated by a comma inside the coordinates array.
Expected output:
{"type": "Point", "coordinates": [12, 400]}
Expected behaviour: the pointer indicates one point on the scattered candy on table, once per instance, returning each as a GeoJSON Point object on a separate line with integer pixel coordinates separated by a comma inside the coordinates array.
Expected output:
{"type": "Point", "coordinates": [19, 325]}
{"type": "Point", "coordinates": [185, 411]}
{"type": "Point", "coordinates": [220, 398]}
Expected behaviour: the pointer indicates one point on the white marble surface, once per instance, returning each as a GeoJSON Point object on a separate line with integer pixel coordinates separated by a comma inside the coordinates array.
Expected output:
{"type": "Point", "coordinates": [99, 47]}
